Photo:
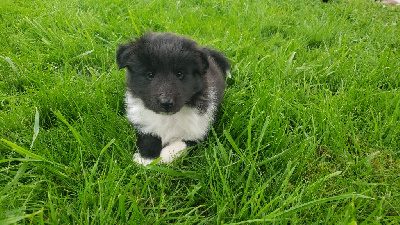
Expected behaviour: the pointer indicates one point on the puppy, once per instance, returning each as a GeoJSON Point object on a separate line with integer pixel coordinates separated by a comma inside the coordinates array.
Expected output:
{"type": "Point", "coordinates": [174, 88]}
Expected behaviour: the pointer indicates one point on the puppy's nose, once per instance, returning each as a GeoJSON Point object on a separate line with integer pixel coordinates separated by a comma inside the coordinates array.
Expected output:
{"type": "Point", "coordinates": [166, 103]}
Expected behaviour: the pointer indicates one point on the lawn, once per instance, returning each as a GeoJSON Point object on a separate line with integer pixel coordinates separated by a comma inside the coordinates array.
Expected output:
{"type": "Point", "coordinates": [308, 132]}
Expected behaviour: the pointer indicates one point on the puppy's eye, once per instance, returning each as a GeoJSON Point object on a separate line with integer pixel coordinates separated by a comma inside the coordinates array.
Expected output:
{"type": "Point", "coordinates": [150, 76]}
{"type": "Point", "coordinates": [179, 75]}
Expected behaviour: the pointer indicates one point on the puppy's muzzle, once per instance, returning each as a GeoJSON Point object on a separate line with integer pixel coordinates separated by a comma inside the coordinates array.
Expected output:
{"type": "Point", "coordinates": [166, 103]}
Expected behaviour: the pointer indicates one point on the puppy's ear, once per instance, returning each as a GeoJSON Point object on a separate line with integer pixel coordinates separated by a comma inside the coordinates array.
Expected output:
{"type": "Point", "coordinates": [204, 61]}
{"type": "Point", "coordinates": [221, 61]}
{"type": "Point", "coordinates": [124, 55]}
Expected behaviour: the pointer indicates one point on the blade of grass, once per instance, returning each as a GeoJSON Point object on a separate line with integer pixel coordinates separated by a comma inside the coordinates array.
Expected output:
{"type": "Point", "coordinates": [107, 146]}
{"type": "Point", "coordinates": [275, 216]}
{"type": "Point", "coordinates": [7, 59]}
{"type": "Point", "coordinates": [289, 63]}
{"type": "Point", "coordinates": [18, 175]}
{"type": "Point", "coordinates": [320, 201]}
{"type": "Point", "coordinates": [302, 146]}
{"type": "Point", "coordinates": [94, 168]}
{"type": "Point", "coordinates": [233, 144]}
{"type": "Point", "coordinates": [264, 128]}
{"type": "Point", "coordinates": [187, 174]}
{"type": "Point", "coordinates": [25, 152]}
{"type": "Point", "coordinates": [13, 220]}
{"type": "Point", "coordinates": [77, 136]}
{"type": "Point", "coordinates": [19, 159]}
{"type": "Point", "coordinates": [36, 127]}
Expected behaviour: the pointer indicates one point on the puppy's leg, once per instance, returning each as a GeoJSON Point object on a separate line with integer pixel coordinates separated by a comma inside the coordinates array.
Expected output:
{"type": "Point", "coordinates": [149, 148]}
{"type": "Point", "coordinates": [173, 151]}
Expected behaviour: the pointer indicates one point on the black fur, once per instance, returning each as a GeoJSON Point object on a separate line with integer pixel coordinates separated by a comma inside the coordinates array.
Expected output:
{"type": "Point", "coordinates": [149, 146]}
{"type": "Point", "coordinates": [219, 59]}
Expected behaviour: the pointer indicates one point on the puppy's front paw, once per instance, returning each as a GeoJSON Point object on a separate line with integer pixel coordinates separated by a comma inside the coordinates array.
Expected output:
{"type": "Point", "coordinates": [168, 153]}
{"type": "Point", "coordinates": [140, 160]}
{"type": "Point", "coordinates": [172, 151]}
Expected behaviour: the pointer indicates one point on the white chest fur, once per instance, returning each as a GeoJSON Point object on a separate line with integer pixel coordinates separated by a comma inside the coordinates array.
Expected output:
{"type": "Point", "coordinates": [187, 124]}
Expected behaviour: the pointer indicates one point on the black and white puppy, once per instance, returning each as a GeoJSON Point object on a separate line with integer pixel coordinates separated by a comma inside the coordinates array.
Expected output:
{"type": "Point", "coordinates": [174, 88]}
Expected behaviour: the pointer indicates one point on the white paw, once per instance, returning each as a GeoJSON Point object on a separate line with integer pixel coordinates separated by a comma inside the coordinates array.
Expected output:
{"type": "Point", "coordinates": [172, 151]}
{"type": "Point", "coordinates": [140, 160]}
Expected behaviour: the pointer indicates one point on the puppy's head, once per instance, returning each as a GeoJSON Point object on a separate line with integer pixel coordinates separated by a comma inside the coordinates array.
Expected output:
{"type": "Point", "coordinates": [163, 69]}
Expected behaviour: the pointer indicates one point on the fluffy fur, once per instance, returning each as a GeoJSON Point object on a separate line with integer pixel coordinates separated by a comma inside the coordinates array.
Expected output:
{"type": "Point", "coordinates": [174, 88]}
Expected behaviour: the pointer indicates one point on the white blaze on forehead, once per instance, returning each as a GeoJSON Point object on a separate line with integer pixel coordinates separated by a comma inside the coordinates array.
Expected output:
{"type": "Point", "coordinates": [186, 124]}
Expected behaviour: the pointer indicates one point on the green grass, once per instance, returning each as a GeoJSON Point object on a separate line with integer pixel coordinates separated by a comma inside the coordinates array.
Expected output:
{"type": "Point", "coordinates": [309, 130]}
